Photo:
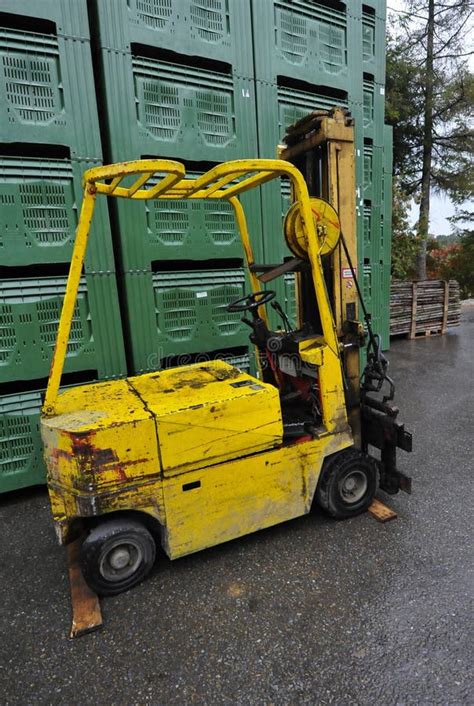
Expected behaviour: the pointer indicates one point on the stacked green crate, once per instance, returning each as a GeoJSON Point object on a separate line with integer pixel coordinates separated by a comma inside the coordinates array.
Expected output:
{"type": "Point", "coordinates": [301, 64]}
{"type": "Point", "coordinates": [49, 136]}
{"type": "Point", "coordinates": [177, 82]}
{"type": "Point", "coordinates": [312, 54]}
{"type": "Point", "coordinates": [385, 237]}
{"type": "Point", "coordinates": [300, 52]}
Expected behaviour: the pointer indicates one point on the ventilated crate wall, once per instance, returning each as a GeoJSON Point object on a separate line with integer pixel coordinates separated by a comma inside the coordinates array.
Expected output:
{"type": "Point", "coordinates": [218, 30]}
{"type": "Point", "coordinates": [167, 230]}
{"type": "Point", "coordinates": [312, 54]}
{"type": "Point", "coordinates": [49, 135]}
{"type": "Point", "coordinates": [21, 462]}
{"type": "Point", "coordinates": [178, 82]}
{"type": "Point", "coordinates": [183, 312]}
{"type": "Point", "coordinates": [29, 317]}
{"type": "Point", "coordinates": [40, 204]}
{"type": "Point", "coordinates": [202, 81]}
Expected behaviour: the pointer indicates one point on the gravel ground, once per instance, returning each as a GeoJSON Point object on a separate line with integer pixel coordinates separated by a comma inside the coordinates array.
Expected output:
{"type": "Point", "coordinates": [309, 612]}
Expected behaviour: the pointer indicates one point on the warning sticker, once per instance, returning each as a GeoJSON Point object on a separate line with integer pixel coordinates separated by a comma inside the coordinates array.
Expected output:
{"type": "Point", "coordinates": [347, 273]}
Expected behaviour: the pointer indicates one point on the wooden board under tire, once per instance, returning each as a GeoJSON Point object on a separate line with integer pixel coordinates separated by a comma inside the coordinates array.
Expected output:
{"type": "Point", "coordinates": [86, 613]}
{"type": "Point", "coordinates": [381, 512]}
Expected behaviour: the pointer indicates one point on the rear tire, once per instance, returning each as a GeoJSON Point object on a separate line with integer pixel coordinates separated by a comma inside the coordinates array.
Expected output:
{"type": "Point", "coordinates": [116, 555]}
{"type": "Point", "coordinates": [347, 484]}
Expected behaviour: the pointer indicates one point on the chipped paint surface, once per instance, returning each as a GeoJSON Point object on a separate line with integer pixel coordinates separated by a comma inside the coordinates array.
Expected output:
{"type": "Point", "coordinates": [244, 495]}
{"type": "Point", "coordinates": [199, 448]}
{"type": "Point", "coordinates": [209, 412]}
{"type": "Point", "coordinates": [101, 453]}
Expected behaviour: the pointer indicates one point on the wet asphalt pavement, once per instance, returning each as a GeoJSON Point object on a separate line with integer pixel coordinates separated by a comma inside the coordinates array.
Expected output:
{"type": "Point", "coordinates": [310, 612]}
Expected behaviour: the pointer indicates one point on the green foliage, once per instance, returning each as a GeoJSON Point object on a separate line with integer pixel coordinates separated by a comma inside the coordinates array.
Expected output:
{"type": "Point", "coordinates": [403, 110]}
{"type": "Point", "coordinates": [448, 146]}
{"type": "Point", "coordinates": [463, 270]}
{"type": "Point", "coordinates": [452, 138]}
{"type": "Point", "coordinates": [404, 241]}
{"type": "Point", "coordinates": [454, 261]}
{"type": "Point", "coordinates": [452, 257]}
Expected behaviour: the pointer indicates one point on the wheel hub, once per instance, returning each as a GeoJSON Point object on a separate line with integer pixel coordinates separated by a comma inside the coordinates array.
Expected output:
{"type": "Point", "coordinates": [120, 561]}
{"type": "Point", "coordinates": [119, 558]}
{"type": "Point", "coordinates": [353, 487]}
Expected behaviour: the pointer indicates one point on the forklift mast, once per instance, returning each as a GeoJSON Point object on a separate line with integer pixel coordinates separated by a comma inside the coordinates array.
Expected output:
{"type": "Point", "coordinates": [321, 146]}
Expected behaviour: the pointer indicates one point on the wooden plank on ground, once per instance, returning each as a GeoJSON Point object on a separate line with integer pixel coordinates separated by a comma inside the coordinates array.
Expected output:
{"type": "Point", "coordinates": [381, 512]}
{"type": "Point", "coordinates": [86, 613]}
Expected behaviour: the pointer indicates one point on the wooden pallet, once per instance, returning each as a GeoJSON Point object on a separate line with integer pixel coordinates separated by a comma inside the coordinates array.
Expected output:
{"type": "Point", "coordinates": [424, 308]}
{"type": "Point", "coordinates": [425, 334]}
{"type": "Point", "coordinates": [86, 613]}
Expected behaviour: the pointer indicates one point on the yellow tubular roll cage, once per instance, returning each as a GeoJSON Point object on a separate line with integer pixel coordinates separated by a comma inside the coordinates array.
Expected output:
{"type": "Point", "coordinates": [168, 181]}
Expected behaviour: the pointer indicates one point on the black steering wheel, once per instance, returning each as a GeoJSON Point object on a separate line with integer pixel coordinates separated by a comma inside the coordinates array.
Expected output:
{"type": "Point", "coordinates": [251, 302]}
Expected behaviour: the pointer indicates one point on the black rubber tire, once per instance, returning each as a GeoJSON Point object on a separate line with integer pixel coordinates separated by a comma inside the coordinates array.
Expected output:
{"type": "Point", "coordinates": [336, 469]}
{"type": "Point", "coordinates": [117, 535]}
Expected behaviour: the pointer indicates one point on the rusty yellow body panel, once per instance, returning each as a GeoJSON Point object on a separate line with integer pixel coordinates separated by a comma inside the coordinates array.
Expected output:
{"type": "Point", "coordinates": [219, 503]}
{"type": "Point", "coordinates": [102, 441]}
{"type": "Point", "coordinates": [194, 447]}
{"type": "Point", "coordinates": [209, 412]}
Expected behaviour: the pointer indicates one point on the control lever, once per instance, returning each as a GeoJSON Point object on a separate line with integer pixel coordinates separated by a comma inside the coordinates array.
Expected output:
{"type": "Point", "coordinates": [286, 322]}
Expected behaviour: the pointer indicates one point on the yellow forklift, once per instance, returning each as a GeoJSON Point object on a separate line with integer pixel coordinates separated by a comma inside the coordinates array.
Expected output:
{"type": "Point", "coordinates": [193, 456]}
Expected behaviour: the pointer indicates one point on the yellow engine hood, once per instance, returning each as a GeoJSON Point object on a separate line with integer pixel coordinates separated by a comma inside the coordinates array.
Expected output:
{"type": "Point", "coordinates": [209, 412]}
{"type": "Point", "coordinates": [111, 434]}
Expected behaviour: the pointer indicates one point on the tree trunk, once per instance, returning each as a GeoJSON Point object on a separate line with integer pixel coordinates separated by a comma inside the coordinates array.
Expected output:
{"type": "Point", "coordinates": [424, 217]}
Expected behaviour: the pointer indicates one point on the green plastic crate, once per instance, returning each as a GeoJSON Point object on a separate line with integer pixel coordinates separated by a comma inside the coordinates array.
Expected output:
{"type": "Point", "coordinates": [242, 361]}
{"type": "Point", "coordinates": [376, 291]}
{"type": "Point", "coordinates": [69, 16]}
{"type": "Point", "coordinates": [40, 205]}
{"type": "Point", "coordinates": [280, 106]}
{"type": "Point", "coordinates": [377, 7]}
{"type": "Point", "coordinates": [303, 40]}
{"type": "Point", "coordinates": [373, 111]}
{"type": "Point", "coordinates": [21, 451]}
{"type": "Point", "coordinates": [290, 305]}
{"type": "Point", "coordinates": [157, 108]}
{"type": "Point", "coordinates": [218, 30]}
{"type": "Point", "coordinates": [163, 230]}
{"type": "Point", "coordinates": [387, 193]}
{"type": "Point", "coordinates": [386, 233]}
{"type": "Point", "coordinates": [47, 92]}
{"type": "Point", "coordinates": [173, 313]}
{"type": "Point", "coordinates": [384, 326]}
{"type": "Point", "coordinates": [29, 317]}
{"type": "Point", "coordinates": [367, 229]}
{"type": "Point", "coordinates": [239, 357]}
{"type": "Point", "coordinates": [373, 42]}
{"type": "Point", "coordinates": [294, 104]}
{"type": "Point", "coordinates": [277, 108]}
{"type": "Point", "coordinates": [373, 169]}
{"type": "Point", "coordinates": [21, 448]}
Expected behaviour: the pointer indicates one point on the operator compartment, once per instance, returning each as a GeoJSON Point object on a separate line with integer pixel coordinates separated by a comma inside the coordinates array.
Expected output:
{"type": "Point", "coordinates": [209, 412]}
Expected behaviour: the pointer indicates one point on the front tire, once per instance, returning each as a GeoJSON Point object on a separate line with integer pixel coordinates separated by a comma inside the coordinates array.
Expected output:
{"type": "Point", "coordinates": [347, 484]}
{"type": "Point", "coordinates": [116, 555]}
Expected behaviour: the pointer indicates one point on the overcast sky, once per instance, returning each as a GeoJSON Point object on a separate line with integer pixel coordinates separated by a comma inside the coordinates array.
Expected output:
{"type": "Point", "coordinates": [441, 207]}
